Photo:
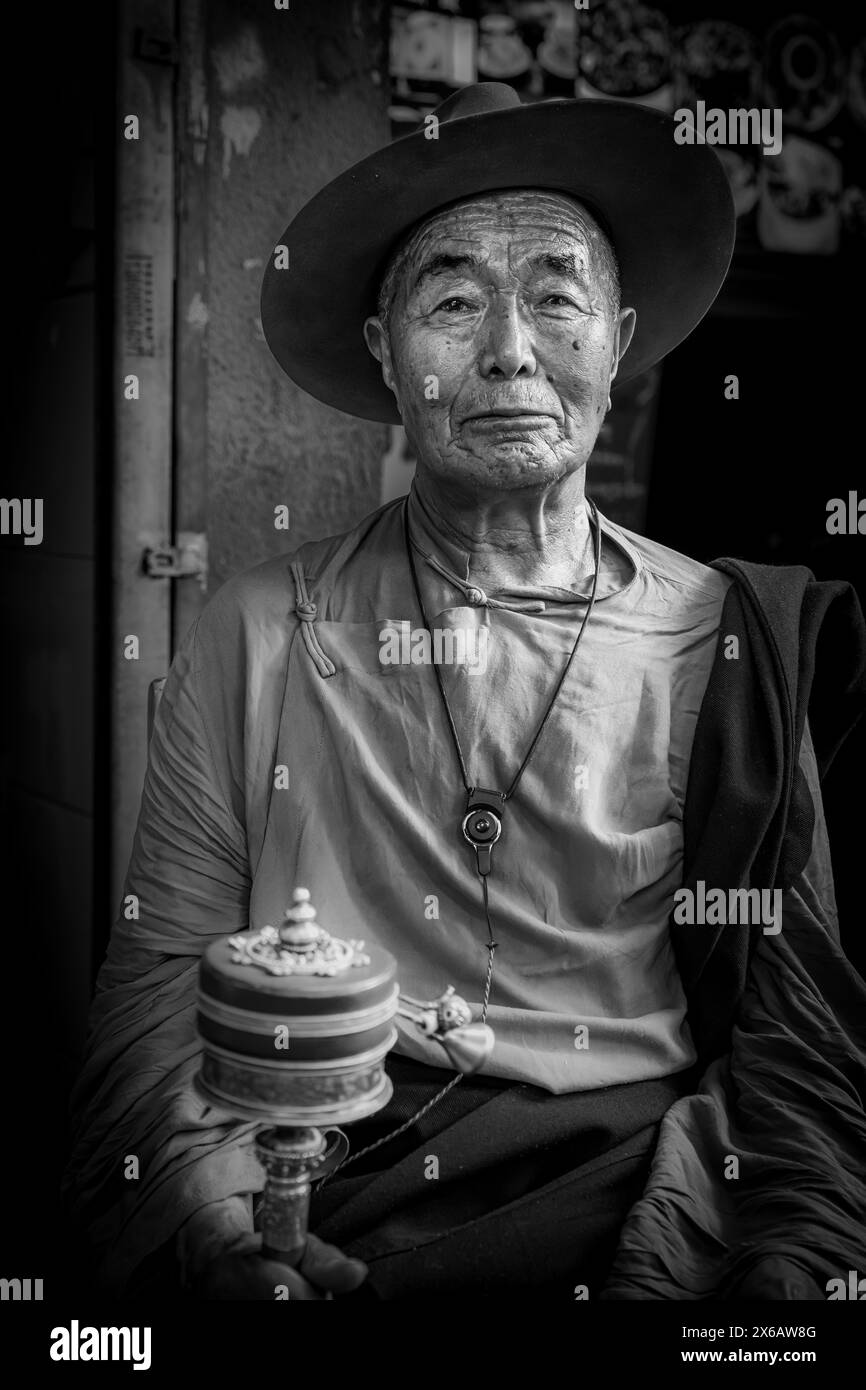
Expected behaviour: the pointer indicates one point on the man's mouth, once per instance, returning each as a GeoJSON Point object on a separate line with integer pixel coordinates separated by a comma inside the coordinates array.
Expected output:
{"type": "Point", "coordinates": [510, 416]}
{"type": "Point", "coordinates": [511, 411]}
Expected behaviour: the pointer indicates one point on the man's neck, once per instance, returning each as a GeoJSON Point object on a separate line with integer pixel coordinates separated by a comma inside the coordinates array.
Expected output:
{"type": "Point", "coordinates": [514, 540]}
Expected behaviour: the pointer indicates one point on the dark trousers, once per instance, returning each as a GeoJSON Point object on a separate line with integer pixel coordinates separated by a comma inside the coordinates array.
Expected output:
{"type": "Point", "coordinates": [500, 1189]}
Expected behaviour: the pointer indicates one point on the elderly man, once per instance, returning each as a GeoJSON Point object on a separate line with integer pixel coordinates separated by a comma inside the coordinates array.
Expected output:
{"type": "Point", "coordinates": [671, 1107]}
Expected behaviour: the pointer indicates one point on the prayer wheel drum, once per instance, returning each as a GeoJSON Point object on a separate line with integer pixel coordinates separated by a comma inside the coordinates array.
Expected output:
{"type": "Point", "coordinates": [286, 1044]}
{"type": "Point", "coordinates": [295, 1027]}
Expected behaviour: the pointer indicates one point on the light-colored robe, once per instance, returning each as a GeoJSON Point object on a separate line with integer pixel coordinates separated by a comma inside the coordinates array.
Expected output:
{"type": "Point", "coordinates": [286, 753]}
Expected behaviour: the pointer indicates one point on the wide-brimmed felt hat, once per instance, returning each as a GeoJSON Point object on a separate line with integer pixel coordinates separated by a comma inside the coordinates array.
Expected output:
{"type": "Point", "coordinates": [666, 207]}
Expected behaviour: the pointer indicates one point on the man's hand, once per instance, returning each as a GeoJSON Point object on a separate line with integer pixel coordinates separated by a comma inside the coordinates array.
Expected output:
{"type": "Point", "coordinates": [242, 1273]}
{"type": "Point", "coordinates": [774, 1278]}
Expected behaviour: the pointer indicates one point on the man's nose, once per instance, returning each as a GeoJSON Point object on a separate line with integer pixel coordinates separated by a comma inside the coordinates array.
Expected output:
{"type": "Point", "coordinates": [507, 350]}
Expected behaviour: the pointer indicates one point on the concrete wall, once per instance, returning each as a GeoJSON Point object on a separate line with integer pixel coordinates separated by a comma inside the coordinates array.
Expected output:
{"type": "Point", "coordinates": [294, 97]}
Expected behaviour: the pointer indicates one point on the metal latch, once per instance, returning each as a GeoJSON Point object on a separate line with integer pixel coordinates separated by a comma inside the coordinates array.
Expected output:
{"type": "Point", "coordinates": [149, 47]}
{"type": "Point", "coordinates": [186, 560]}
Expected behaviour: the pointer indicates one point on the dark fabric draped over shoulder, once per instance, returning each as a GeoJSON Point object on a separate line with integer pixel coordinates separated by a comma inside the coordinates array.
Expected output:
{"type": "Point", "coordinates": [767, 1162]}
{"type": "Point", "coordinates": [749, 816]}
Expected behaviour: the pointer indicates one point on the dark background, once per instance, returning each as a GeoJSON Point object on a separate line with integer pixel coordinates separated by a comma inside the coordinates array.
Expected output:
{"type": "Point", "coordinates": [54, 598]}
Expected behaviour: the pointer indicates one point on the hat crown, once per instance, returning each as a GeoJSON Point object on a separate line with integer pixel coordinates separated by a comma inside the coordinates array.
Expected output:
{"type": "Point", "coordinates": [667, 209]}
{"type": "Point", "coordinates": [477, 100]}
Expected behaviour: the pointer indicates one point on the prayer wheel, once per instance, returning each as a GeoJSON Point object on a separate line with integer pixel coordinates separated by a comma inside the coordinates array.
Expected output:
{"type": "Point", "coordinates": [295, 1025]}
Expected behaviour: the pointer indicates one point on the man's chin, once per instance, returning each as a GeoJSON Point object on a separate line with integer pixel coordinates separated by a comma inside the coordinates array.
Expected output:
{"type": "Point", "coordinates": [505, 465]}
{"type": "Point", "coordinates": [515, 464]}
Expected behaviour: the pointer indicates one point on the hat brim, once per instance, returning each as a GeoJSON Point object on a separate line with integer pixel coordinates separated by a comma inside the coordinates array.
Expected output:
{"type": "Point", "coordinates": [667, 208]}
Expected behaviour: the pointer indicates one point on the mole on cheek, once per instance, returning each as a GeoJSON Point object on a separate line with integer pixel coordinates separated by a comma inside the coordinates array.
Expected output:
{"type": "Point", "coordinates": [576, 345]}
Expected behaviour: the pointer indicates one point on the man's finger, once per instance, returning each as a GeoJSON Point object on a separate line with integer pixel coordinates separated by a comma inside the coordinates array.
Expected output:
{"type": "Point", "coordinates": [328, 1268]}
{"type": "Point", "coordinates": [777, 1279]}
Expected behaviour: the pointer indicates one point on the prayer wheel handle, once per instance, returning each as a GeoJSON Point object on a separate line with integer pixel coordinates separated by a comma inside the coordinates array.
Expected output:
{"type": "Point", "coordinates": [294, 1157]}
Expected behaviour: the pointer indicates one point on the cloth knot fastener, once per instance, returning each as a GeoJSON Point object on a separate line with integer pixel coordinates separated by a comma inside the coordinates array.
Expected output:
{"type": "Point", "coordinates": [306, 610]}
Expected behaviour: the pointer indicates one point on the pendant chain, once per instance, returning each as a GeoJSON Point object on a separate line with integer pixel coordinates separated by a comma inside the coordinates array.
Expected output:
{"type": "Point", "coordinates": [491, 944]}
{"type": "Point", "coordinates": [552, 701]}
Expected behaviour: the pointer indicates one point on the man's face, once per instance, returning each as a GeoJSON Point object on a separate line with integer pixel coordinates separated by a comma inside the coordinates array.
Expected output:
{"type": "Point", "coordinates": [501, 345]}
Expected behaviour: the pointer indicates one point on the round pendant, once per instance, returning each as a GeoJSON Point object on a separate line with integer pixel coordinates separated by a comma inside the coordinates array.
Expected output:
{"type": "Point", "coordinates": [482, 827]}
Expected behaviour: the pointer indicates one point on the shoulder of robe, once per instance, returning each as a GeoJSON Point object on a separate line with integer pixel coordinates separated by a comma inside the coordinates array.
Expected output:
{"type": "Point", "coordinates": [260, 595]}
{"type": "Point", "coordinates": [673, 567]}
{"type": "Point", "coordinates": [257, 606]}
{"type": "Point", "coordinates": [259, 603]}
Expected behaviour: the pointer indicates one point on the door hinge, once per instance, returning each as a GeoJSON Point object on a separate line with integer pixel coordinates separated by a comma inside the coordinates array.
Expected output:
{"type": "Point", "coordinates": [186, 560]}
{"type": "Point", "coordinates": [149, 47]}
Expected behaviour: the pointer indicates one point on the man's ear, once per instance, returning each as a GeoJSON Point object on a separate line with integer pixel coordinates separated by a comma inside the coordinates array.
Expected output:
{"type": "Point", "coordinates": [622, 338]}
{"type": "Point", "coordinates": [376, 338]}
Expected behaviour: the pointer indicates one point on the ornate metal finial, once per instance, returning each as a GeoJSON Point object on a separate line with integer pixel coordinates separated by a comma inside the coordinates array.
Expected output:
{"type": "Point", "coordinates": [299, 947]}
{"type": "Point", "coordinates": [301, 931]}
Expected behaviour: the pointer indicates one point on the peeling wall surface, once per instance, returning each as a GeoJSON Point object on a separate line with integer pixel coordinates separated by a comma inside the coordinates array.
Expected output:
{"type": "Point", "coordinates": [295, 96]}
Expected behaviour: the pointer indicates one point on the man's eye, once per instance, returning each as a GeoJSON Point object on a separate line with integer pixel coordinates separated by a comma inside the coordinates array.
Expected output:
{"type": "Point", "coordinates": [452, 304]}
{"type": "Point", "coordinates": [562, 299]}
